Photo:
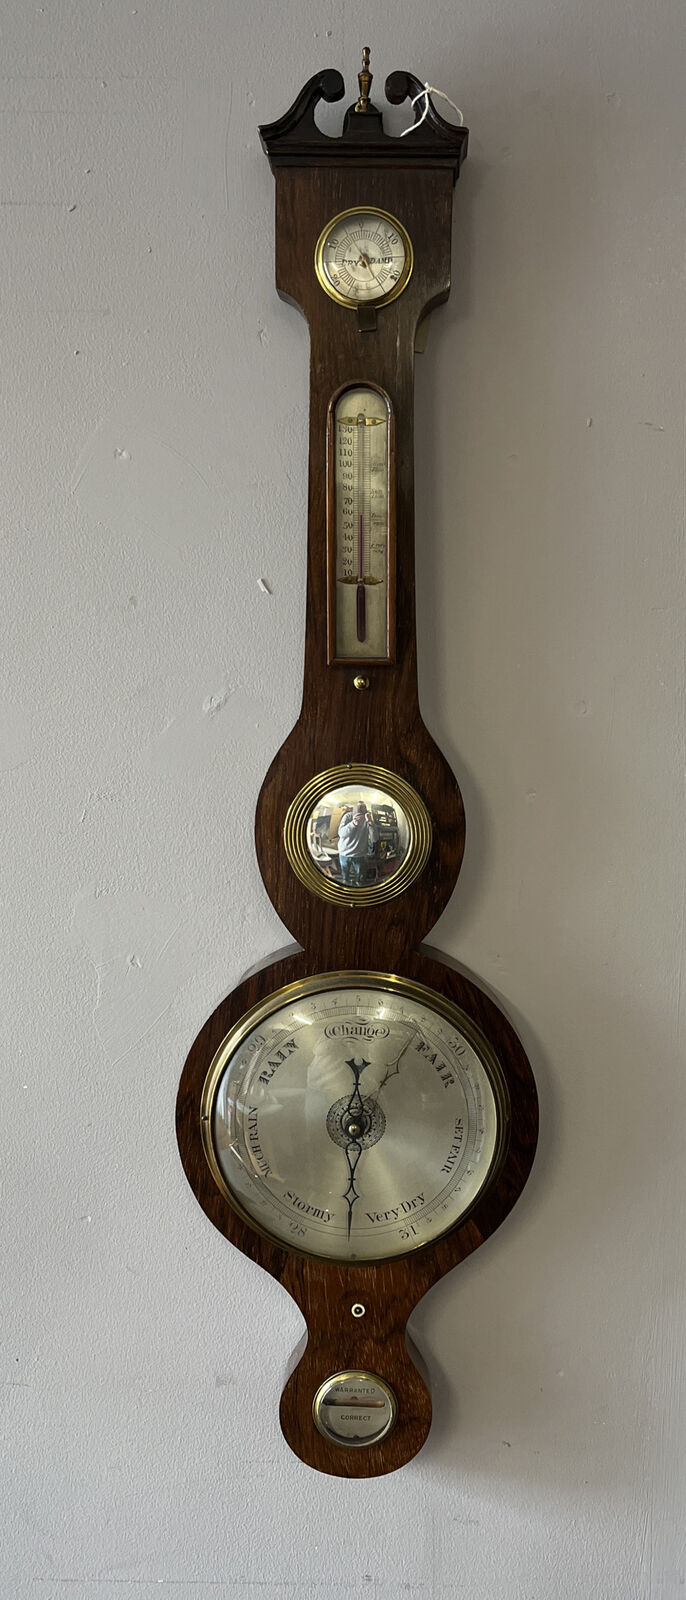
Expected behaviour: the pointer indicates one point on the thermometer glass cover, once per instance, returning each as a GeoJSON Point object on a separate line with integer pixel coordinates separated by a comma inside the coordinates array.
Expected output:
{"type": "Point", "coordinates": [359, 434]}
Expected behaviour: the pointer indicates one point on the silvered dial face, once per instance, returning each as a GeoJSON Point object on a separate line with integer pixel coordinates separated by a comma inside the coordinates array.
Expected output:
{"type": "Point", "coordinates": [364, 256]}
{"type": "Point", "coordinates": [354, 1117]}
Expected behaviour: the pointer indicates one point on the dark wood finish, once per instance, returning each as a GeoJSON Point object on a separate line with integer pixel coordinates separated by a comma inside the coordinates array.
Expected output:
{"type": "Point", "coordinates": [326, 1290]}
{"type": "Point", "coordinates": [295, 140]}
{"type": "Point", "coordinates": [317, 177]}
{"type": "Point", "coordinates": [338, 723]}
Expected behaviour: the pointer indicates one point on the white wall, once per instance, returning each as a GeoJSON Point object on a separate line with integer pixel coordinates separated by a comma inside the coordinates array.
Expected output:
{"type": "Point", "coordinates": [154, 395]}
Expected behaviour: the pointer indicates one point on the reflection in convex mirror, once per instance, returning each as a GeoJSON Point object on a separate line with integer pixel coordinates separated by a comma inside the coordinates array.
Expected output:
{"type": "Point", "coordinates": [357, 836]}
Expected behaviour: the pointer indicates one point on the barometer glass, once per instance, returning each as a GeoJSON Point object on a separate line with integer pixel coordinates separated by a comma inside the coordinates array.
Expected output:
{"type": "Point", "coordinates": [354, 1116]}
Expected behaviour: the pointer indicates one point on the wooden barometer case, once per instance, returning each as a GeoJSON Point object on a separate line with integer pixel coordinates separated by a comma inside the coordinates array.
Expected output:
{"type": "Point", "coordinates": [357, 1117]}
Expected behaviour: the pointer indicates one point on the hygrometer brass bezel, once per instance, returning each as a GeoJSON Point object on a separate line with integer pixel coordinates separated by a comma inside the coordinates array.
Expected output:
{"type": "Point", "coordinates": [352, 301]}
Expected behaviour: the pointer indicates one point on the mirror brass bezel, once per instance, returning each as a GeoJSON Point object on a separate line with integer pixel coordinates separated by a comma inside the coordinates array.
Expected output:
{"type": "Point", "coordinates": [373, 777]}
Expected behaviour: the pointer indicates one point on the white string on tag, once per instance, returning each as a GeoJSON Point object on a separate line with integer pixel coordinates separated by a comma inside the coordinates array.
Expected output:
{"type": "Point", "coordinates": [424, 95]}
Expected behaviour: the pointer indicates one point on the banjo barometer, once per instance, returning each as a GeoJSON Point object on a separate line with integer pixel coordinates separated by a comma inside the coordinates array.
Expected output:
{"type": "Point", "coordinates": [357, 1117]}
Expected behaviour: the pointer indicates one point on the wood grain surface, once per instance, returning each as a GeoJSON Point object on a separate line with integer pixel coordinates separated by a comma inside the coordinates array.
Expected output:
{"type": "Point", "coordinates": [317, 177]}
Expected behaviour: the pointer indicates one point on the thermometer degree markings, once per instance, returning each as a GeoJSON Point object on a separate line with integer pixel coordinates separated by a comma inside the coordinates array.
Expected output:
{"type": "Point", "coordinates": [362, 521]}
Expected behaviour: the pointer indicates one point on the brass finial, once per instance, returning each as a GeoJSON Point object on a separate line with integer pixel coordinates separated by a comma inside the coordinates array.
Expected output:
{"type": "Point", "coordinates": [364, 78]}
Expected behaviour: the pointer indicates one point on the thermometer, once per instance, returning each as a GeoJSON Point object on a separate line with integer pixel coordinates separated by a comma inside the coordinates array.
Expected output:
{"type": "Point", "coordinates": [359, 526]}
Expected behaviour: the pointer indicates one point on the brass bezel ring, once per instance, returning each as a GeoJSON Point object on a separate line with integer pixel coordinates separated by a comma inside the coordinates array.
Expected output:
{"type": "Point", "coordinates": [365, 978]}
{"type": "Point", "coordinates": [355, 1375]}
{"type": "Point", "coordinates": [301, 808]}
{"type": "Point", "coordinates": [350, 300]}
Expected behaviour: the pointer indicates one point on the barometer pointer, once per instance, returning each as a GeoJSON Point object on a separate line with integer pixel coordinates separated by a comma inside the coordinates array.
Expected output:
{"type": "Point", "coordinates": [354, 1110]}
{"type": "Point", "coordinates": [355, 1126]}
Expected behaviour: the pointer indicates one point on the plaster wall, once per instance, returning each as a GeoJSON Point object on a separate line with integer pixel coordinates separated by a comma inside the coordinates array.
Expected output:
{"type": "Point", "coordinates": [154, 418]}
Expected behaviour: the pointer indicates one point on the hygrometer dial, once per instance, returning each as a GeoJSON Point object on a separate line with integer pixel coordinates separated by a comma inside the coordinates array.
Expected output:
{"type": "Point", "coordinates": [354, 1116]}
{"type": "Point", "coordinates": [364, 256]}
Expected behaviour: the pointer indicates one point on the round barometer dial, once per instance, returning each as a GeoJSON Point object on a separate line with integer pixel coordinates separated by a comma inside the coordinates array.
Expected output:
{"type": "Point", "coordinates": [363, 256]}
{"type": "Point", "coordinates": [354, 1116]}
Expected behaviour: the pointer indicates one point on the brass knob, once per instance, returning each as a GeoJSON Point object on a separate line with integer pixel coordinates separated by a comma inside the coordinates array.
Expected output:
{"type": "Point", "coordinates": [361, 682]}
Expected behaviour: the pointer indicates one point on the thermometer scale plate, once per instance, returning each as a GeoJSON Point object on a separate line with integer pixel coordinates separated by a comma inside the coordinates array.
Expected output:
{"type": "Point", "coordinates": [361, 528]}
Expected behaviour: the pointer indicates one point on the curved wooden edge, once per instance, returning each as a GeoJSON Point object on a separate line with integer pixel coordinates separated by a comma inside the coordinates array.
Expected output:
{"type": "Point", "coordinates": [389, 1358]}
{"type": "Point", "coordinates": [295, 137]}
{"type": "Point", "coordinates": [389, 1290]}
{"type": "Point", "coordinates": [351, 932]}
{"type": "Point", "coordinates": [400, 86]}
{"type": "Point", "coordinates": [325, 85]}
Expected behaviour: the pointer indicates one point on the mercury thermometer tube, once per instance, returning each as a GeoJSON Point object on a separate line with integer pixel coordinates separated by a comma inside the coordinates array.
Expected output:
{"type": "Point", "coordinates": [361, 453]}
